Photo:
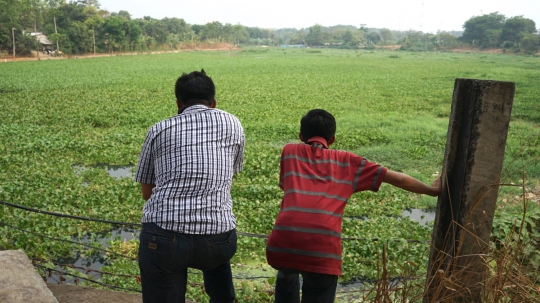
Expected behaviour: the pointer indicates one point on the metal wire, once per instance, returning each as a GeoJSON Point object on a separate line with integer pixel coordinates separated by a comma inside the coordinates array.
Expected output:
{"type": "Point", "coordinates": [68, 241]}
{"type": "Point", "coordinates": [138, 225]}
{"type": "Point", "coordinates": [69, 216]}
{"type": "Point", "coordinates": [86, 279]}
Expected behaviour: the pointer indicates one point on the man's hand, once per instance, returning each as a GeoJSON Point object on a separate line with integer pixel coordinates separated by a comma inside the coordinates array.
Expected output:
{"type": "Point", "coordinates": [147, 190]}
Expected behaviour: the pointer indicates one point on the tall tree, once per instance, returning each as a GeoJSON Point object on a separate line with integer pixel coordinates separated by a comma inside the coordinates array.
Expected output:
{"type": "Point", "coordinates": [16, 20]}
{"type": "Point", "coordinates": [530, 43]}
{"type": "Point", "coordinates": [175, 26]}
{"type": "Point", "coordinates": [122, 13]}
{"type": "Point", "coordinates": [315, 36]}
{"type": "Point", "coordinates": [93, 19]}
{"type": "Point", "coordinates": [447, 40]}
{"type": "Point", "coordinates": [34, 14]}
{"type": "Point", "coordinates": [298, 38]}
{"type": "Point", "coordinates": [386, 35]}
{"type": "Point", "coordinates": [212, 31]}
{"type": "Point", "coordinates": [373, 38]}
{"type": "Point", "coordinates": [515, 28]}
{"type": "Point", "coordinates": [483, 30]}
{"type": "Point", "coordinates": [349, 38]}
{"type": "Point", "coordinates": [239, 33]}
{"type": "Point", "coordinates": [113, 27]}
{"type": "Point", "coordinates": [133, 33]}
{"type": "Point", "coordinates": [54, 6]}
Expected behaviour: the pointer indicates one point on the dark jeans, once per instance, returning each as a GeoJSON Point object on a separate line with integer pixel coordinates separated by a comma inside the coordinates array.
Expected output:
{"type": "Point", "coordinates": [164, 257]}
{"type": "Point", "coordinates": [316, 288]}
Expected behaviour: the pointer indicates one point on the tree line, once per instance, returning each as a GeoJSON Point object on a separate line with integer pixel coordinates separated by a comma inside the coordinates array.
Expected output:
{"type": "Point", "coordinates": [79, 27]}
{"type": "Point", "coordinates": [494, 30]}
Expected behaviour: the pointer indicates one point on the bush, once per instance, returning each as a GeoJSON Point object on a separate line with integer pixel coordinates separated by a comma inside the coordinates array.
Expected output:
{"type": "Point", "coordinates": [530, 43]}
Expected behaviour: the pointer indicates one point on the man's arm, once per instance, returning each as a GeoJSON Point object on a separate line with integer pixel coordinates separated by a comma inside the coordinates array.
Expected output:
{"type": "Point", "coordinates": [411, 184]}
{"type": "Point", "coordinates": [147, 190]}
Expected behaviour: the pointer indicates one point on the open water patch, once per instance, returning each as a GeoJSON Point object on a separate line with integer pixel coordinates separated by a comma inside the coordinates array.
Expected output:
{"type": "Point", "coordinates": [115, 171]}
{"type": "Point", "coordinates": [422, 216]}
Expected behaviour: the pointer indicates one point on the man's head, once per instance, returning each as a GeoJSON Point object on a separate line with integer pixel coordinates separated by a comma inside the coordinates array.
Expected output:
{"type": "Point", "coordinates": [318, 123]}
{"type": "Point", "coordinates": [194, 88]}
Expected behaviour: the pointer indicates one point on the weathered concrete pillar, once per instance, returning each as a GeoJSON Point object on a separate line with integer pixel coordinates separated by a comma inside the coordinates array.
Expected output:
{"type": "Point", "coordinates": [19, 281]}
{"type": "Point", "coordinates": [472, 167]}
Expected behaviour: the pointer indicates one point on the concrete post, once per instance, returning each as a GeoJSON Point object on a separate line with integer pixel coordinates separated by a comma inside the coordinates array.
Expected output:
{"type": "Point", "coordinates": [472, 167]}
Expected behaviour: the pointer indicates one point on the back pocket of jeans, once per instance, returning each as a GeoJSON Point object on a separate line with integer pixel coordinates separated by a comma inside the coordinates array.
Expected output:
{"type": "Point", "coordinates": [222, 247]}
{"type": "Point", "coordinates": [157, 242]}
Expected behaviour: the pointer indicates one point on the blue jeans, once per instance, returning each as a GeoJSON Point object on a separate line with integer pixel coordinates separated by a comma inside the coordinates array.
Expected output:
{"type": "Point", "coordinates": [316, 288]}
{"type": "Point", "coordinates": [165, 255]}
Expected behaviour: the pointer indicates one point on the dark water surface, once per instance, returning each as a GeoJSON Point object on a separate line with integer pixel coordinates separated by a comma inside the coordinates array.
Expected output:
{"type": "Point", "coordinates": [95, 261]}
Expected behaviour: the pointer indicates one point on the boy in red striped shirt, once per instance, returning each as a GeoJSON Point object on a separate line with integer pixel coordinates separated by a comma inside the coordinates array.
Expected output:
{"type": "Point", "coordinates": [317, 182]}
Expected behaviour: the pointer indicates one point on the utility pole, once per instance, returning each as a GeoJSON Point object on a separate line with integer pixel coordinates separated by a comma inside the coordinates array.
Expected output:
{"type": "Point", "coordinates": [473, 162]}
{"type": "Point", "coordinates": [13, 36]}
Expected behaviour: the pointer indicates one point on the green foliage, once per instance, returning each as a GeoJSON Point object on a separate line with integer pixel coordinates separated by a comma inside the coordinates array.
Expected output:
{"type": "Point", "coordinates": [494, 30]}
{"type": "Point", "coordinates": [316, 36]}
{"type": "Point", "coordinates": [418, 41]}
{"type": "Point", "coordinates": [513, 231]}
{"type": "Point", "coordinates": [530, 43]}
{"type": "Point", "coordinates": [515, 28]}
{"type": "Point", "coordinates": [476, 28]}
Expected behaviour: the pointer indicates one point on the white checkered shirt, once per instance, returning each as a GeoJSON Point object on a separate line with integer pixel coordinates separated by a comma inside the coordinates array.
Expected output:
{"type": "Point", "coordinates": [191, 158]}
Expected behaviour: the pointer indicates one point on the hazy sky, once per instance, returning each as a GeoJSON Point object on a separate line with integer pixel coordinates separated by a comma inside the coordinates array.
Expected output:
{"type": "Point", "coordinates": [422, 15]}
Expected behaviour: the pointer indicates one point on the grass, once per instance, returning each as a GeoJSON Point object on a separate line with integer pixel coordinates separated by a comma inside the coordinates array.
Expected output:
{"type": "Point", "coordinates": [57, 114]}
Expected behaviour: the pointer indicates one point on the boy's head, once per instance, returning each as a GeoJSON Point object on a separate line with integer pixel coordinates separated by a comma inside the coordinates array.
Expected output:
{"type": "Point", "coordinates": [318, 123]}
{"type": "Point", "coordinates": [195, 87]}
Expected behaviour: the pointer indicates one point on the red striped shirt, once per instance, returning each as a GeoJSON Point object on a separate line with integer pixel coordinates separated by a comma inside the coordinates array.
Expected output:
{"type": "Point", "coordinates": [316, 183]}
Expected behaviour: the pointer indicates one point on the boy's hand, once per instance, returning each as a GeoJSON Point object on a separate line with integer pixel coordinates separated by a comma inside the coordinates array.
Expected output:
{"type": "Point", "coordinates": [437, 184]}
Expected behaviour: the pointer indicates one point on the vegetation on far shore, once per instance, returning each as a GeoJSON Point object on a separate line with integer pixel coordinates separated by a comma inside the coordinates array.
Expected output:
{"type": "Point", "coordinates": [82, 27]}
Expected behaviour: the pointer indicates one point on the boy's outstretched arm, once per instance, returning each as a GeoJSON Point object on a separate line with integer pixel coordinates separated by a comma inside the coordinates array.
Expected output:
{"type": "Point", "coordinates": [411, 184]}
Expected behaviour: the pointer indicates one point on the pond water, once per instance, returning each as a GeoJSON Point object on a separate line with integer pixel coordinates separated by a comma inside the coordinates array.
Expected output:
{"type": "Point", "coordinates": [95, 261]}
{"type": "Point", "coordinates": [120, 171]}
{"type": "Point", "coordinates": [422, 216]}
{"type": "Point", "coordinates": [115, 171]}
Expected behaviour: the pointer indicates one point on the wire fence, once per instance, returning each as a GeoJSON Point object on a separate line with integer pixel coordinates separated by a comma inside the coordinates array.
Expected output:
{"type": "Point", "coordinates": [138, 225]}
{"type": "Point", "coordinates": [39, 263]}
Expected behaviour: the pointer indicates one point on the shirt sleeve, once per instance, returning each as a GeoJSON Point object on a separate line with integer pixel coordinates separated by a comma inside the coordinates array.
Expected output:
{"type": "Point", "coordinates": [145, 169]}
{"type": "Point", "coordinates": [368, 175]}
{"type": "Point", "coordinates": [280, 184]}
{"type": "Point", "coordinates": [239, 159]}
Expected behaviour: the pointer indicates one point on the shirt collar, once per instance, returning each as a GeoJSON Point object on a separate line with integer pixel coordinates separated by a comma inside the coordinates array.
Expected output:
{"type": "Point", "coordinates": [319, 140]}
{"type": "Point", "coordinates": [192, 108]}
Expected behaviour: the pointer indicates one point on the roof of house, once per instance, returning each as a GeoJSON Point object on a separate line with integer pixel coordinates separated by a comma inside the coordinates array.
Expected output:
{"type": "Point", "coordinates": [41, 38]}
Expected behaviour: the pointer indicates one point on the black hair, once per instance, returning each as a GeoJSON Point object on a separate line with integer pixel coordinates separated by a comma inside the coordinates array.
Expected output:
{"type": "Point", "coordinates": [195, 87]}
{"type": "Point", "coordinates": [317, 122]}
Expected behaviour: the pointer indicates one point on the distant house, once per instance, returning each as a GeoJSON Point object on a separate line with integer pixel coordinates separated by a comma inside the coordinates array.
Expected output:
{"type": "Point", "coordinates": [292, 45]}
{"type": "Point", "coordinates": [43, 41]}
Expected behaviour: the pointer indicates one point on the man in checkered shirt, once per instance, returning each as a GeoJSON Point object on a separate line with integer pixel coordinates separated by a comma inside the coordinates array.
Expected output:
{"type": "Point", "coordinates": [186, 170]}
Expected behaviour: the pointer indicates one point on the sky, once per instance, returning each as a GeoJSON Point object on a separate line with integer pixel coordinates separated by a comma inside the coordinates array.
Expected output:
{"type": "Point", "coordinates": [420, 15]}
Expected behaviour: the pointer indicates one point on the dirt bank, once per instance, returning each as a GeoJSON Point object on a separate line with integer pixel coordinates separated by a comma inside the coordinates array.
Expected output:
{"type": "Point", "coordinates": [181, 48]}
